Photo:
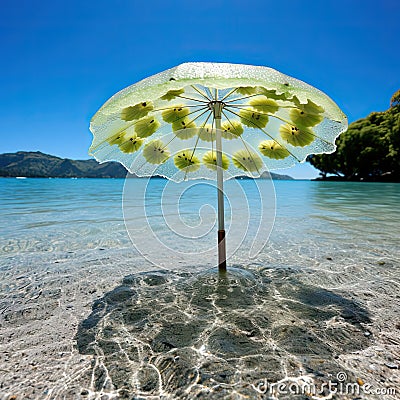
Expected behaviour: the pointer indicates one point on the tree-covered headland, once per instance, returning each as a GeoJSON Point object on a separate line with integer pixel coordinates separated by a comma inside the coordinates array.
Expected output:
{"type": "Point", "coordinates": [369, 150]}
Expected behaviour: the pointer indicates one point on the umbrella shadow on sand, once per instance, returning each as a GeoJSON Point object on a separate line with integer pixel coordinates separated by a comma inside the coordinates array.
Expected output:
{"type": "Point", "coordinates": [160, 334]}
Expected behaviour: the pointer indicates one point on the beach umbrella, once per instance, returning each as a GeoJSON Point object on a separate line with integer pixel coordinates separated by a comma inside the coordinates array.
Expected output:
{"type": "Point", "coordinates": [215, 121]}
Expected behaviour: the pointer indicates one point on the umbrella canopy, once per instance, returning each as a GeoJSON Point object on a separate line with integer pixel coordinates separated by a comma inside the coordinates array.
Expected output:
{"type": "Point", "coordinates": [198, 120]}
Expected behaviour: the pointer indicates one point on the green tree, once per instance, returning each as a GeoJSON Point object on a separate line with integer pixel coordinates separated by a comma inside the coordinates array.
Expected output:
{"type": "Point", "coordinates": [395, 100]}
{"type": "Point", "coordinates": [369, 149]}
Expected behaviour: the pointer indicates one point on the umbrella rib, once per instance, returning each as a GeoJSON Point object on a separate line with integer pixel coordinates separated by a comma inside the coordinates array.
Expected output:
{"type": "Point", "coordinates": [191, 98]}
{"type": "Point", "coordinates": [230, 93]}
{"type": "Point", "coordinates": [105, 140]}
{"type": "Point", "coordinates": [175, 136]}
{"type": "Point", "coordinates": [262, 130]}
{"type": "Point", "coordinates": [192, 112]}
{"type": "Point", "coordinates": [244, 143]}
{"type": "Point", "coordinates": [311, 113]}
{"type": "Point", "coordinates": [186, 105]}
{"type": "Point", "coordinates": [249, 105]}
{"type": "Point", "coordinates": [197, 141]}
{"type": "Point", "coordinates": [192, 120]}
{"type": "Point", "coordinates": [112, 149]}
{"type": "Point", "coordinates": [280, 106]}
{"type": "Point", "coordinates": [198, 135]}
{"type": "Point", "coordinates": [200, 92]}
{"type": "Point", "coordinates": [283, 120]}
{"type": "Point", "coordinates": [243, 98]}
{"type": "Point", "coordinates": [133, 123]}
{"type": "Point", "coordinates": [116, 133]}
{"type": "Point", "coordinates": [208, 91]}
{"type": "Point", "coordinates": [310, 131]}
{"type": "Point", "coordinates": [228, 119]}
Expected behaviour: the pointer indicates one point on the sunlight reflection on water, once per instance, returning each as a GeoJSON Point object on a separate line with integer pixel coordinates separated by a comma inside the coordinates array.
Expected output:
{"type": "Point", "coordinates": [309, 303]}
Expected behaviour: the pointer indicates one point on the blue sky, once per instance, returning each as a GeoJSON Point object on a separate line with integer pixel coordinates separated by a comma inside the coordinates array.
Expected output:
{"type": "Point", "coordinates": [62, 59]}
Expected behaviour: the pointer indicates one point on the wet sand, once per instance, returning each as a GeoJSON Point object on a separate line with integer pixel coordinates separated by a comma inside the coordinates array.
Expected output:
{"type": "Point", "coordinates": [70, 329]}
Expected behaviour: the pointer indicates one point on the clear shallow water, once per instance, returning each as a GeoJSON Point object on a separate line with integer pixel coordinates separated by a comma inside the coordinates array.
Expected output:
{"type": "Point", "coordinates": [309, 305]}
{"type": "Point", "coordinates": [56, 214]}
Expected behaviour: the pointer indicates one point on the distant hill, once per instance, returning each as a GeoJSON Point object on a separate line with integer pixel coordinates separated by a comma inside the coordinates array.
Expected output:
{"type": "Point", "coordinates": [39, 165]}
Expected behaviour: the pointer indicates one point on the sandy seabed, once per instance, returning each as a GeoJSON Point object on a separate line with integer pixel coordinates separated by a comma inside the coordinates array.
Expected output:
{"type": "Point", "coordinates": [103, 324]}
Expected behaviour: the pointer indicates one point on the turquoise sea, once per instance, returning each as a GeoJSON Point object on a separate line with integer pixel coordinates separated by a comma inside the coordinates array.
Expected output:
{"type": "Point", "coordinates": [85, 314]}
{"type": "Point", "coordinates": [47, 215]}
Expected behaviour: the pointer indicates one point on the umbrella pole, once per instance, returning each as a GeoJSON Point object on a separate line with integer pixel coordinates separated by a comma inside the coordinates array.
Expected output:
{"type": "Point", "coordinates": [217, 108]}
